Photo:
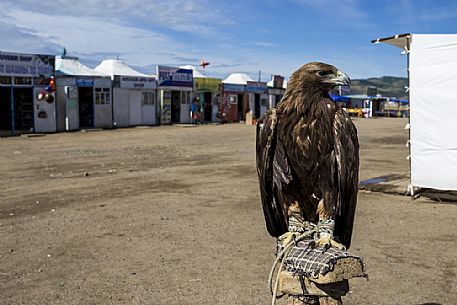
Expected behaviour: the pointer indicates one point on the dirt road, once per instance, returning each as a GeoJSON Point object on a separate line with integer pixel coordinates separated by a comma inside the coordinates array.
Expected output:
{"type": "Point", "coordinates": [171, 215]}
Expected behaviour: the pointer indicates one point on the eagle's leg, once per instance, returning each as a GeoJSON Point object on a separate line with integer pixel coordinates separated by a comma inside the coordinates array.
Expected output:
{"type": "Point", "coordinates": [295, 223]}
{"type": "Point", "coordinates": [325, 227]}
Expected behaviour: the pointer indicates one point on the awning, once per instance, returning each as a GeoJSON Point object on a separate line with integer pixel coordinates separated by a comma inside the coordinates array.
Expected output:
{"type": "Point", "coordinates": [401, 41]}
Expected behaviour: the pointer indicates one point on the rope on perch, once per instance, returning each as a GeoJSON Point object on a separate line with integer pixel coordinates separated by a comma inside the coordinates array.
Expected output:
{"type": "Point", "coordinates": [309, 274]}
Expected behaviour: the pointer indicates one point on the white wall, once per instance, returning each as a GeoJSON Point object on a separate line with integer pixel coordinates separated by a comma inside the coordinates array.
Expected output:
{"type": "Point", "coordinates": [433, 111]}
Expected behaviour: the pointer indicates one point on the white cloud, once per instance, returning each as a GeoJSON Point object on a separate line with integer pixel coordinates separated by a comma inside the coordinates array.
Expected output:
{"type": "Point", "coordinates": [138, 31]}
{"type": "Point", "coordinates": [145, 33]}
{"type": "Point", "coordinates": [86, 37]}
{"type": "Point", "coordinates": [94, 38]}
{"type": "Point", "coordinates": [16, 39]}
{"type": "Point", "coordinates": [180, 15]}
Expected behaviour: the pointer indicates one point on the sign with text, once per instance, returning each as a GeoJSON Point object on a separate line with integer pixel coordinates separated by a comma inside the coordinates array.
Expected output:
{"type": "Point", "coordinates": [175, 77]}
{"type": "Point", "coordinates": [233, 88]}
{"type": "Point", "coordinates": [84, 82]}
{"type": "Point", "coordinates": [256, 87]}
{"type": "Point", "coordinates": [135, 82]}
{"type": "Point", "coordinates": [16, 64]}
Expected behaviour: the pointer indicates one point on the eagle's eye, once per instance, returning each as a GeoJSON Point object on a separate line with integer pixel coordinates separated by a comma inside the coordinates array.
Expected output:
{"type": "Point", "coordinates": [324, 73]}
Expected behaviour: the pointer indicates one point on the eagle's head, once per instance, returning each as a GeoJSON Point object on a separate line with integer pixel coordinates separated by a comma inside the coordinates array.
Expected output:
{"type": "Point", "coordinates": [318, 75]}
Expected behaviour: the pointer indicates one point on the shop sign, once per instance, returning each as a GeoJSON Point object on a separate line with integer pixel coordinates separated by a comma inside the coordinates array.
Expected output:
{"type": "Point", "coordinates": [26, 64]}
{"type": "Point", "coordinates": [175, 77]}
{"type": "Point", "coordinates": [256, 87]}
{"type": "Point", "coordinates": [234, 88]}
{"type": "Point", "coordinates": [207, 84]}
{"type": "Point", "coordinates": [84, 82]}
{"type": "Point", "coordinates": [135, 82]}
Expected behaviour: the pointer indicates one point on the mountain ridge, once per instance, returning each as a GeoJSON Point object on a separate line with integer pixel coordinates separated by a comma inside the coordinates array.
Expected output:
{"type": "Point", "coordinates": [388, 86]}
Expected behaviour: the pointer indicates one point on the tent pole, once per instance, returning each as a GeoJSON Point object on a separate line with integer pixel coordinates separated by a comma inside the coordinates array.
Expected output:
{"type": "Point", "coordinates": [408, 45]}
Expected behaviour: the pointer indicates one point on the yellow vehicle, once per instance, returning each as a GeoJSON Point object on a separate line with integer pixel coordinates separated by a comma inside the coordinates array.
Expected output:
{"type": "Point", "coordinates": [355, 112]}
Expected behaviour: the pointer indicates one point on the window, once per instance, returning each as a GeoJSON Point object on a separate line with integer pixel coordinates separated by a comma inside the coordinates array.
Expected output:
{"type": "Point", "coordinates": [185, 97]}
{"type": "Point", "coordinates": [102, 96]}
{"type": "Point", "coordinates": [41, 81]}
{"type": "Point", "coordinates": [22, 80]}
{"type": "Point", "coordinates": [5, 80]}
{"type": "Point", "coordinates": [149, 98]}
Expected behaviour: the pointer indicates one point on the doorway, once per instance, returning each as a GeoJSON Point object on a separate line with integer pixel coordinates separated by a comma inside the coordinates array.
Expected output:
{"type": "Point", "coordinates": [241, 112]}
{"type": "Point", "coordinates": [277, 100]}
{"type": "Point", "coordinates": [86, 107]}
{"type": "Point", "coordinates": [175, 106]}
{"type": "Point", "coordinates": [257, 105]}
{"type": "Point", "coordinates": [5, 108]}
{"type": "Point", "coordinates": [23, 108]}
{"type": "Point", "coordinates": [208, 107]}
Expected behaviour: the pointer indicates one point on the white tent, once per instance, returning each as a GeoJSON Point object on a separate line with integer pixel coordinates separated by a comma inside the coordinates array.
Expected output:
{"type": "Point", "coordinates": [113, 67]}
{"type": "Point", "coordinates": [72, 66]}
{"type": "Point", "coordinates": [432, 66]}
{"type": "Point", "coordinates": [238, 78]}
{"type": "Point", "coordinates": [195, 72]}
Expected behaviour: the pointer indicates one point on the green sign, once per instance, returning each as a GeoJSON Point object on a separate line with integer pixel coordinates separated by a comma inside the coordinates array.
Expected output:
{"type": "Point", "coordinates": [207, 84]}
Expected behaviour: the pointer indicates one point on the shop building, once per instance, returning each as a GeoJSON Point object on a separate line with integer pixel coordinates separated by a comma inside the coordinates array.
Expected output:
{"type": "Point", "coordinates": [83, 96]}
{"type": "Point", "coordinates": [234, 102]}
{"type": "Point", "coordinates": [175, 88]}
{"type": "Point", "coordinates": [134, 94]}
{"type": "Point", "coordinates": [206, 94]}
{"type": "Point", "coordinates": [27, 101]}
{"type": "Point", "coordinates": [258, 98]}
{"type": "Point", "coordinates": [276, 90]}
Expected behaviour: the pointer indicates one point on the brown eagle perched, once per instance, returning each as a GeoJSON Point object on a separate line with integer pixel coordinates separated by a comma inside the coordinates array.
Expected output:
{"type": "Point", "coordinates": [308, 158]}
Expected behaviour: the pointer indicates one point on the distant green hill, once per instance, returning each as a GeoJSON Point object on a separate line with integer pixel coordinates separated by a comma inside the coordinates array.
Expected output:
{"type": "Point", "coordinates": [386, 86]}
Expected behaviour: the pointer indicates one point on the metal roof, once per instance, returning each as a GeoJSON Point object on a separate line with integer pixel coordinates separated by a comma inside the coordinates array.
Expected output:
{"type": "Point", "coordinates": [401, 41]}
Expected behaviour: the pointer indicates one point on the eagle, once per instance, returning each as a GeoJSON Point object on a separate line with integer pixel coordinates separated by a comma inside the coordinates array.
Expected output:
{"type": "Point", "coordinates": [307, 159]}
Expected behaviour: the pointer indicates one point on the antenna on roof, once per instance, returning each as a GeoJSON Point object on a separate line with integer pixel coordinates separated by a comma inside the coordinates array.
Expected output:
{"type": "Point", "coordinates": [260, 76]}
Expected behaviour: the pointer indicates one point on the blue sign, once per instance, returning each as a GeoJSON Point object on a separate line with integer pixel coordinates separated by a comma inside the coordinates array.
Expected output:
{"type": "Point", "coordinates": [175, 77]}
{"type": "Point", "coordinates": [234, 87]}
{"type": "Point", "coordinates": [84, 82]}
{"type": "Point", "coordinates": [257, 87]}
{"type": "Point", "coordinates": [26, 64]}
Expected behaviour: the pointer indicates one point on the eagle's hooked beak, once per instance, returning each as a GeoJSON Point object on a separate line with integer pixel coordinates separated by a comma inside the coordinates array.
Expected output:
{"type": "Point", "coordinates": [341, 79]}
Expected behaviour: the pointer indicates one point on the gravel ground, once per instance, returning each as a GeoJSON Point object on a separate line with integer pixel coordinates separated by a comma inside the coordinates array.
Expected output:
{"type": "Point", "coordinates": [172, 215]}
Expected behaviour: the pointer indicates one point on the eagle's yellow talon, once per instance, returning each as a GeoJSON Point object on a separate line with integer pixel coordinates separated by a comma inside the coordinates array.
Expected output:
{"type": "Point", "coordinates": [327, 242]}
{"type": "Point", "coordinates": [337, 245]}
{"type": "Point", "coordinates": [286, 238]}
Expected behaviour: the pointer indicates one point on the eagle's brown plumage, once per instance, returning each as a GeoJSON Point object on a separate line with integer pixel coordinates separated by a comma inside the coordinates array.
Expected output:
{"type": "Point", "coordinates": [307, 152]}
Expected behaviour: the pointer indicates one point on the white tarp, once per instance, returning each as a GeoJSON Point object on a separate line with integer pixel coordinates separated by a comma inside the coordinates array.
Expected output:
{"type": "Point", "coordinates": [237, 78]}
{"type": "Point", "coordinates": [433, 111]}
{"type": "Point", "coordinates": [113, 67]}
{"type": "Point", "coordinates": [72, 66]}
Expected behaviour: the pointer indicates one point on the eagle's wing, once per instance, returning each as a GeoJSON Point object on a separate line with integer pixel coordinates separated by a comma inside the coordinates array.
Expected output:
{"type": "Point", "coordinates": [273, 171]}
{"type": "Point", "coordinates": [347, 159]}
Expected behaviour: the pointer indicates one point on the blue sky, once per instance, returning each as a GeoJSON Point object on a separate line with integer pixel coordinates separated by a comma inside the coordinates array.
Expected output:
{"type": "Point", "coordinates": [275, 37]}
